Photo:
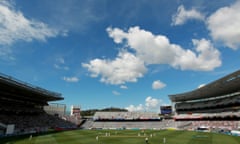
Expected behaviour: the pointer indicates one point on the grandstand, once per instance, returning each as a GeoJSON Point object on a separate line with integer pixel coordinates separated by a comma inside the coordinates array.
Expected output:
{"type": "Point", "coordinates": [107, 116]}
{"type": "Point", "coordinates": [21, 108]}
{"type": "Point", "coordinates": [24, 109]}
{"type": "Point", "coordinates": [131, 121]}
{"type": "Point", "coordinates": [125, 120]}
{"type": "Point", "coordinates": [215, 105]}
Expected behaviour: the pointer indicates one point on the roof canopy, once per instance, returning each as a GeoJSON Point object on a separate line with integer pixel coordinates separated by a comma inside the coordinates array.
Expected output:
{"type": "Point", "coordinates": [226, 85]}
{"type": "Point", "coordinates": [13, 89]}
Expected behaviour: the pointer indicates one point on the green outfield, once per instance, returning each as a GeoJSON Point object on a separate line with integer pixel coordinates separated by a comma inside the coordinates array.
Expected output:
{"type": "Point", "coordinates": [124, 137]}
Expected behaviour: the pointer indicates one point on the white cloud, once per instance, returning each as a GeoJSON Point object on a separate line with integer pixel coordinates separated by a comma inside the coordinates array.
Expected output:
{"type": "Point", "coordinates": [116, 93]}
{"type": "Point", "coordinates": [158, 85]}
{"type": "Point", "coordinates": [147, 49]}
{"type": "Point", "coordinates": [60, 64]}
{"type": "Point", "coordinates": [117, 34]}
{"type": "Point", "coordinates": [151, 102]}
{"type": "Point", "coordinates": [206, 57]}
{"type": "Point", "coordinates": [123, 87]}
{"type": "Point", "coordinates": [156, 49]}
{"type": "Point", "coordinates": [131, 108]}
{"type": "Point", "coordinates": [184, 15]}
{"type": "Point", "coordinates": [15, 27]}
{"type": "Point", "coordinates": [224, 25]}
{"type": "Point", "coordinates": [125, 68]}
{"type": "Point", "coordinates": [71, 79]}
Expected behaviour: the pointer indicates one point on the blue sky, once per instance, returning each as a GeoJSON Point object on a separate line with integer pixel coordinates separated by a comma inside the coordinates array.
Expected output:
{"type": "Point", "coordinates": [105, 53]}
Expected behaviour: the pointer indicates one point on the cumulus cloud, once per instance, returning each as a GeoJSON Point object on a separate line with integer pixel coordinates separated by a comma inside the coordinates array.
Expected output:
{"type": "Point", "coordinates": [131, 108]}
{"type": "Point", "coordinates": [151, 104]}
{"type": "Point", "coordinates": [224, 25]}
{"type": "Point", "coordinates": [206, 57]}
{"type": "Point", "coordinates": [71, 79]}
{"type": "Point", "coordinates": [143, 48]}
{"type": "Point", "coordinates": [125, 68]}
{"type": "Point", "coordinates": [157, 49]}
{"type": "Point", "coordinates": [148, 47]}
{"type": "Point", "coordinates": [184, 15]}
{"type": "Point", "coordinates": [158, 85]}
{"type": "Point", "coordinates": [14, 26]}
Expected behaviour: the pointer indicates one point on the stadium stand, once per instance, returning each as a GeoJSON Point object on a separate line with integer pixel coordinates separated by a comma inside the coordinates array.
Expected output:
{"type": "Point", "coordinates": [213, 106]}
{"type": "Point", "coordinates": [131, 120]}
{"type": "Point", "coordinates": [126, 120]}
{"type": "Point", "coordinates": [21, 108]}
{"type": "Point", "coordinates": [125, 116]}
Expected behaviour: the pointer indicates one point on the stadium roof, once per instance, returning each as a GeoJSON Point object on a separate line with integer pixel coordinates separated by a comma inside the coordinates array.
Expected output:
{"type": "Point", "coordinates": [11, 88]}
{"type": "Point", "coordinates": [223, 86]}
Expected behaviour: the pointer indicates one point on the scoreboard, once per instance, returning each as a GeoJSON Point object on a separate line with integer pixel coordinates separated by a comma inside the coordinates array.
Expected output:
{"type": "Point", "coordinates": [166, 109]}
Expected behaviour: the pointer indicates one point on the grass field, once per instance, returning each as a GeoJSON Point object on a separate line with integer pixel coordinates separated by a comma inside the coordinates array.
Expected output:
{"type": "Point", "coordinates": [124, 137]}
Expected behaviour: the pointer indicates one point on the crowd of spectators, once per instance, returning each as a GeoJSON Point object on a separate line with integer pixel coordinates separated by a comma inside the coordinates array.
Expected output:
{"type": "Point", "coordinates": [209, 116]}
{"type": "Point", "coordinates": [29, 118]}
{"type": "Point", "coordinates": [221, 125]}
{"type": "Point", "coordinates": [209, 105]}
{"type": "Point", "coordinates": [211, 121]}
{"type": "Point", "coordinates": [126, 116]}
{"type": "Point", "coordinates": [34, 123]}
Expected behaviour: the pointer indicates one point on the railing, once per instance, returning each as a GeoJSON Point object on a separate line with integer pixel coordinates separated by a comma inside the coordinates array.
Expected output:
{"type": "Point", "coordinates": [17, 82]}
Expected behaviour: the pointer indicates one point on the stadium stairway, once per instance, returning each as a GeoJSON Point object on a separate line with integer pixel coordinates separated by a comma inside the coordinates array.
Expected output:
{"type": "Point", "coordinates": [87, 124]}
